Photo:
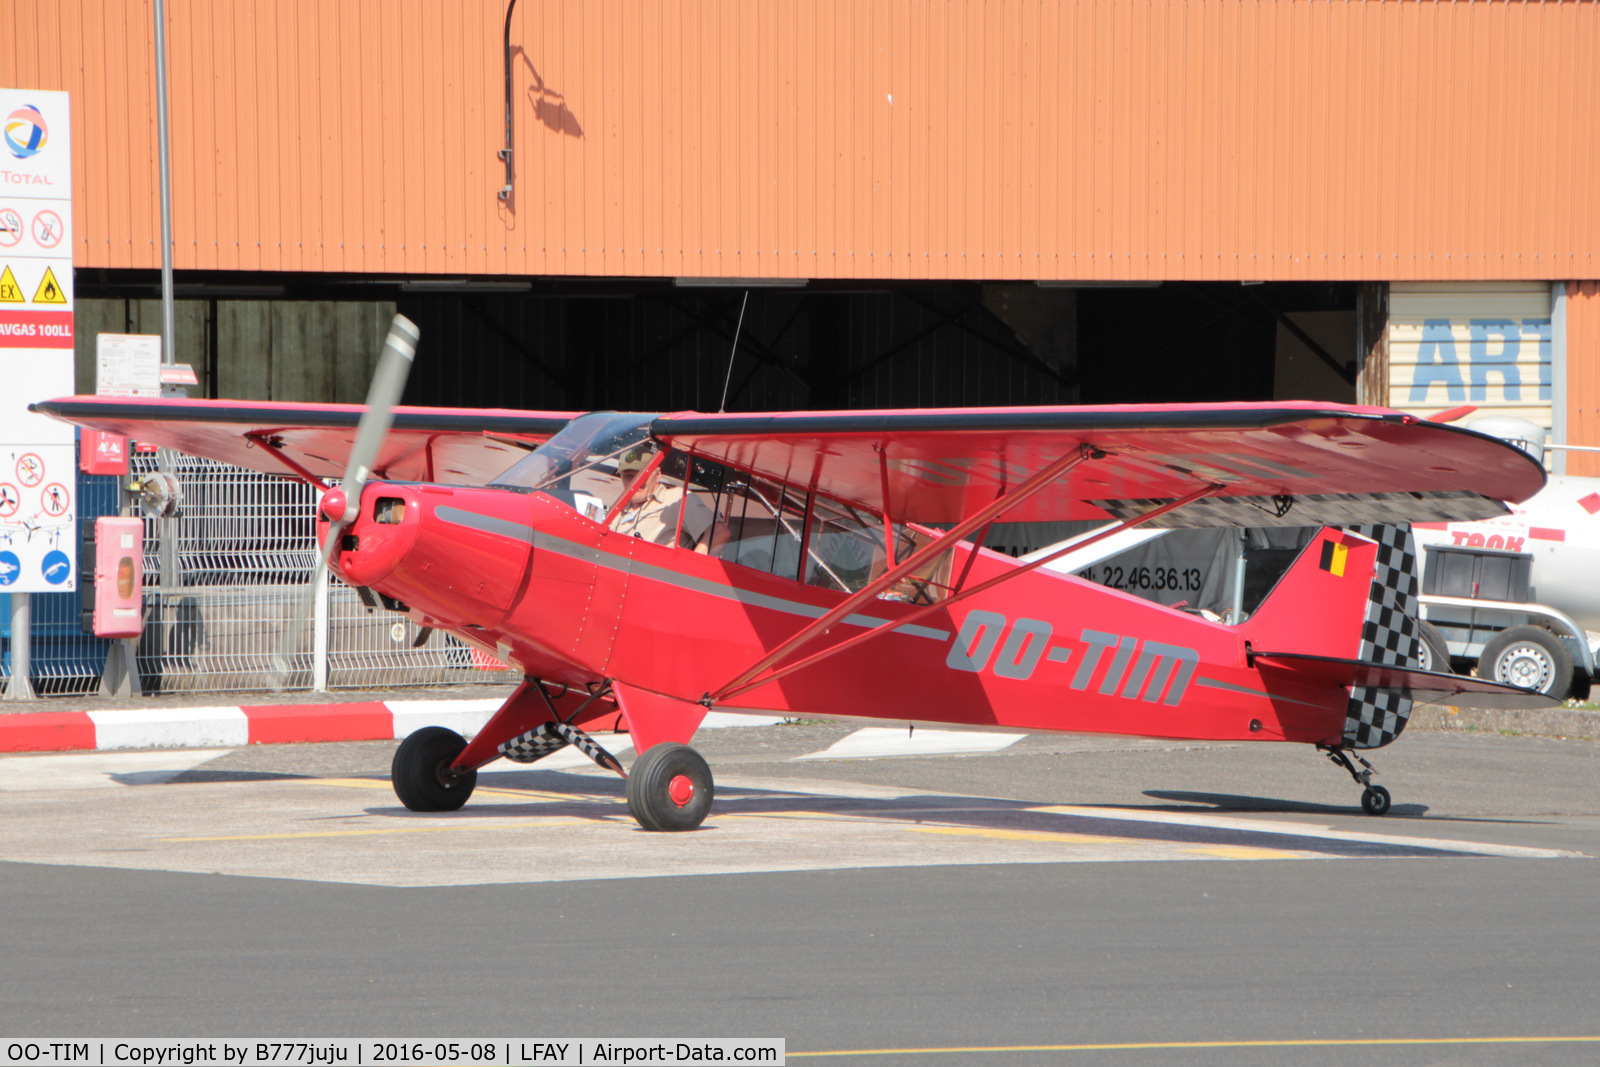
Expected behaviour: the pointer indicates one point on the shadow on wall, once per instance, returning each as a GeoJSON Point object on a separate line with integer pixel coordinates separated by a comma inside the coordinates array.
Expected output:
{"type": "Point", "coordinates": [549, 106]}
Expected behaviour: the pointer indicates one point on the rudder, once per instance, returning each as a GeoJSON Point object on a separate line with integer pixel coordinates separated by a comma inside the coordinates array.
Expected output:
{"type": "Point", "coordinates": [1319, 605]}
{"type": "Point", "coordinates": [1322, 606]}
{"type": "Point", "coordinates": [1389, 635]}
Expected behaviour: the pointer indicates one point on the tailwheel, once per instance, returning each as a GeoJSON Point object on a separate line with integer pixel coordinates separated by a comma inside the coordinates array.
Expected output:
{"type": "Point", "coordinates": [1375, 800]}
{"type": "Point", "coordinates": [669, 788]}
{"type": "Point", "coordinates": [421, 773]}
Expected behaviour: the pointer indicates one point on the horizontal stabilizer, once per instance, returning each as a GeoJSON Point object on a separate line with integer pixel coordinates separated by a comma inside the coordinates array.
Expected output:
{"type": "Point", "coordinates": [1425, 687]}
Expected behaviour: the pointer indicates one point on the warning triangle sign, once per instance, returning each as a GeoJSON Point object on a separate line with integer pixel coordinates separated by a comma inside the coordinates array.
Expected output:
{"type": "Point", "coordinates": [49, 292]}
{"type": "Point", "coordinates": [10, 291]}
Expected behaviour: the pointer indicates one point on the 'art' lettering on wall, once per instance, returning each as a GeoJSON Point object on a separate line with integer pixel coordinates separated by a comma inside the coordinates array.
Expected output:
{"type": "Point", "coordinates": [1493, 348]}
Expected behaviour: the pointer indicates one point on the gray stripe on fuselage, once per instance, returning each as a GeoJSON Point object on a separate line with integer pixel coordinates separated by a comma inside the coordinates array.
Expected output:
{"type": "Point", "coordinates": [487, 523]}
{"type": "Point", "coordinates": [1231, 688]}
{"type": "Point", "coordinates": [560, 546]}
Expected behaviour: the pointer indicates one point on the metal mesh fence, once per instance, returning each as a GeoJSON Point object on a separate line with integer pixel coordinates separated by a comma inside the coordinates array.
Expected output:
{"type": "Point", "coordinates": [223, 581]}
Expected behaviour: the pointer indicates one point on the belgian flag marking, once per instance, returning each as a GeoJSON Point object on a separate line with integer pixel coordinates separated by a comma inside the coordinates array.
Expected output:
{"type": "Point", "coordinates": [1333, 557]}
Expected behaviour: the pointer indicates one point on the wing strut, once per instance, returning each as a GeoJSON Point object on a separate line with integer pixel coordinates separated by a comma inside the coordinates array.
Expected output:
{"type": "Point", "coordinates": [264, 440]}
{"type": "Point", "coordinates": [749, 679]}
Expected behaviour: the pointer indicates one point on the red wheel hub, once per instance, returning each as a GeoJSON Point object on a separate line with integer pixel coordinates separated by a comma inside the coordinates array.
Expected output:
{"type": "Point", "coordinates": [680, 789]}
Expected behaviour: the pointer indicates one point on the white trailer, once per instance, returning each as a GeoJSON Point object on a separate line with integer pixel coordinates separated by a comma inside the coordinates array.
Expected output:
{"type": "Point", "coordinates": [1517, 598]}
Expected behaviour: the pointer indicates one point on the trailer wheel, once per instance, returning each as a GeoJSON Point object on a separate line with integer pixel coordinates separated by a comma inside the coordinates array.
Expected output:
{"type": "Point", "coordinates": [1432, 652]}
{"type": "Point", "coordinates": [1531, 657]}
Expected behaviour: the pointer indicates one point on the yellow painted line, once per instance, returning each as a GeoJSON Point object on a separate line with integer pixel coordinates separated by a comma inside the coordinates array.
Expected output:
{"type": "Point", "coordinates": [1332, 1042]}
{"type": "Point", "coordinates": [1243, 852]}
{"type": "Point", "coordinates": [1019, 835]}
{"type": "Point", "coordinates": [530, 824]}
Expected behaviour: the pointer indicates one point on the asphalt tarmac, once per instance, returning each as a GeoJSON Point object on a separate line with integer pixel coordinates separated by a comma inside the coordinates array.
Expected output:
{"type": "Point", "coordinates": [978, 908]}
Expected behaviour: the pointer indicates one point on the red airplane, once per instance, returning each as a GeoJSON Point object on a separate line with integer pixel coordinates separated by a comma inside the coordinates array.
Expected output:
{"type": "Point", "coordinates": [641, 569]}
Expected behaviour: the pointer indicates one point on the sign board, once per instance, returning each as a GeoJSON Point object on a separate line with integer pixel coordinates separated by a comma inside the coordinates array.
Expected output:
{"type": "Point", "coordinates": [38, 467]}
{"type": "Point", "coordinates": [127, 364]}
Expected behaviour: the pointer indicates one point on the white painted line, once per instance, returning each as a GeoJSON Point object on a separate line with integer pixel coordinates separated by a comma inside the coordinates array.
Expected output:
{"type": "Point", "coordinates": [465, 717]}
{"type": "Point", "coordinates": [1223, 822]}
{"type": "Point", "coordinates": [716, 720]}
{"type": "Point", "coordinates": [170, 727]}
{"type": "Point", "coordinates": [97, 770]}
{"type": "Point", "coordinates": [875, 742]}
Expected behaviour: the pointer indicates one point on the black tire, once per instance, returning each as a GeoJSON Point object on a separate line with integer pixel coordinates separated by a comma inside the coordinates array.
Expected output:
{"type": "Point", "coordinates": [1375, 800]}
{"type": "Point", "coordinates": [670, 789]}
{"type": "Point", "coordinates": [421, 775]}
{"type": "Point", "coordinates": [1432, 651]}
{"type": "Point", "coordinates": [1531, 657]}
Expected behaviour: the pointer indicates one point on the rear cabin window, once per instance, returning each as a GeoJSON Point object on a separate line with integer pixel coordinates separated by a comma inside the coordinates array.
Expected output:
{"type": "Point", "coordinates": [846, 552]}
{"type": "Point", "coordinates": [743, 518]}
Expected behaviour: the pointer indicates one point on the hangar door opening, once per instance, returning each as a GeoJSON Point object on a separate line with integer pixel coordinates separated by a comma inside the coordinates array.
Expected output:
{"type": "Point", "coordinates": [655, 345]}
{"type": "Point", "coordinates": [962, 345]}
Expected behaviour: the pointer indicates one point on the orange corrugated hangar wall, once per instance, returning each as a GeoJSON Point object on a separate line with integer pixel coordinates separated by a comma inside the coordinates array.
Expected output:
{"type": "Point", "coordinates": [943, 139]}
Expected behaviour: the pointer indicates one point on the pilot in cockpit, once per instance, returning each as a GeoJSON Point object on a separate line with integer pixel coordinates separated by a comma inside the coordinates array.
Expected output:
{"type": "Point", "coordinates": [652, 505]}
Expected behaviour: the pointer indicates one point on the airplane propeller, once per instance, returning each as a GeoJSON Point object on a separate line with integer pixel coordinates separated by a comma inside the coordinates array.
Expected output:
{"type": "Point", "coordinates": [342, 504]}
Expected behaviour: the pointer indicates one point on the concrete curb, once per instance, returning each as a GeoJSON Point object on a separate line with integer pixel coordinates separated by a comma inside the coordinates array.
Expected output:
{"type": "Point", "coordinates": [1566, 723]}
{"type": "Point", "coordinates": [258, 724]}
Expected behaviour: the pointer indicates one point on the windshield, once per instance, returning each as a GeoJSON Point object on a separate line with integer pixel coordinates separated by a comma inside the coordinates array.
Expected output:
{"type": "Point", "coordinates": [579, 464]}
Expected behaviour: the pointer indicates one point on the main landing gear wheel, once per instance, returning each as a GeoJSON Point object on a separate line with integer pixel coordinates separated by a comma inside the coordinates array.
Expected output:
{"type": "Point", "coordinates": [669, 788]}
{"type": "Point", "coordinates": [421, 773]}
{"type": "Point", "coordinates": [1375, 801]}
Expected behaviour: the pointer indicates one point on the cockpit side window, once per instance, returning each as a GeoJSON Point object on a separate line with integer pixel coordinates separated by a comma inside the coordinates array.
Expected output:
{"type": "Point", "coordinates": [579, 465]}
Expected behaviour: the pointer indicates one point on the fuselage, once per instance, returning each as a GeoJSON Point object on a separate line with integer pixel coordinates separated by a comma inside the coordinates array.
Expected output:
{"type": "Point", "coordinates": [563, 598]}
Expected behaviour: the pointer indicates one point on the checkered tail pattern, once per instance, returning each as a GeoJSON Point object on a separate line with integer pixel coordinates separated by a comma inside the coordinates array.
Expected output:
{"type": "Point", "coordinates": [1389, 635]}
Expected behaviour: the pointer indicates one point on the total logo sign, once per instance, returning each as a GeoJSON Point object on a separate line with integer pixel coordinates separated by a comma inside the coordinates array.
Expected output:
{"type": "Point", "coordinates": [36, 161]}
{"type": "Point", "coordinates": [26, 131]}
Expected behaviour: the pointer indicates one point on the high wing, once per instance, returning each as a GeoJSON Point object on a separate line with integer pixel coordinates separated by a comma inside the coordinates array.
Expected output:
{"type": "Point", "coordinates": [460, 446]}
{"type": "Point", "coordinates": [1296, 463]}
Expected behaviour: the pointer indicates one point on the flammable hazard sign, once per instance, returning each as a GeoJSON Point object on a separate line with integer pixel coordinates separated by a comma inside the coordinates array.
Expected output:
{"type": "Point", "coordinates": [49, 292]}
